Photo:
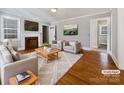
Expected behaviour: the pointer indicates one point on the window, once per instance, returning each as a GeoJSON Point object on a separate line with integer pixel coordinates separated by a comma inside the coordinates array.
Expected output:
{"type": "Point", "coordinates": [103, 29]}
{"type": "Point", "coordinates": [10, 28]}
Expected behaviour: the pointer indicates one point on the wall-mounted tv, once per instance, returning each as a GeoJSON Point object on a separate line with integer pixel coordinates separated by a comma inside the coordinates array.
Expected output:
{"type": "Point", "coordinates": [31, 25]}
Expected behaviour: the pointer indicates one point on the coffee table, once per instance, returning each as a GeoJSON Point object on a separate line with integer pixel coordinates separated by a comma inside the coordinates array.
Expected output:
{"type": "Point", "coordinates": [52, 54]}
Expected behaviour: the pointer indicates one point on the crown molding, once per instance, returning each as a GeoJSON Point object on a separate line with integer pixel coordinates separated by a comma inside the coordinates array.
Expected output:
{"type": "Point", "coordinates": [7, 13]}
{"type": "Point", "coordinates": [72, 18]}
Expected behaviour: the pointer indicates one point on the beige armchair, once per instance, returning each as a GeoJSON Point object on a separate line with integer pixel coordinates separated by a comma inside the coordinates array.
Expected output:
{"type": "Point", "coordinates": [57, 44]}
{"type": "Point", "coordinates": [72, 46]}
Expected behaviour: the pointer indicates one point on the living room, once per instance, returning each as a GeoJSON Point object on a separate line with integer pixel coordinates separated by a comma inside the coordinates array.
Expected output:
{"type": "Point", "coordinates": [70, 41]}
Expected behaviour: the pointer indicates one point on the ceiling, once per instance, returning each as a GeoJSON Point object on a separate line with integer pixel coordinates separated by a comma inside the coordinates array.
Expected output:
{"type": "Point", "coordinates": [45, 15]}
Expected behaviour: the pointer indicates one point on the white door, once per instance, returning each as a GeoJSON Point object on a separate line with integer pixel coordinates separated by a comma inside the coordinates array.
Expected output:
{"type": "Point", "coordinates": [52, 32]}
{"type": "Point", "coordinates": [93, 34]}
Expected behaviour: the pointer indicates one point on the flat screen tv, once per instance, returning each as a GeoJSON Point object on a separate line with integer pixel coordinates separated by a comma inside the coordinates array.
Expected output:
{"type": "Point", "coordinates": [30, 25]}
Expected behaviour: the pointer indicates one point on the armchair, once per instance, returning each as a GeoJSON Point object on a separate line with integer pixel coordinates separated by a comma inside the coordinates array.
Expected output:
{"type": "Point", "coordinates": [72, 46]}
{"type": "Point", "coordinates": [57, 44]}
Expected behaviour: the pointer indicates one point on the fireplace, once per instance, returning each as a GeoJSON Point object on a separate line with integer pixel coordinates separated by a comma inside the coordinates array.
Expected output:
{"type": "Point", "coordinates": [31, 43]}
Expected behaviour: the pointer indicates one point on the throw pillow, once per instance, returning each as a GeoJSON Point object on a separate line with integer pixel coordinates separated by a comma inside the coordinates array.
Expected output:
{"type": "Point", "coordinates": [10, 47]}
{"type": "Point", "coordinates": [54, 42]}
{"type": "Point", "coordinates": [6, 55]}
{"type": "Point", "coordinates": [66, 43]}
{"type": "Point", "coordinates": [72, 43]}
{"type": "Point", "coordinates": [15, 55]}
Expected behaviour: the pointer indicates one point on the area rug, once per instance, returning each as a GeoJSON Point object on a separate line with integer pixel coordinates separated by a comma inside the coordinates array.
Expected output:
{"type": "Point", "coordinates": [49, 73]}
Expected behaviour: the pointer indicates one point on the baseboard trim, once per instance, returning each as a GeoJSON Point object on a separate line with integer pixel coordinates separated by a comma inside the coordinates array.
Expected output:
{"type": "Point", "coordinates": [21, 49]}
{"type": "Point", "coordinates": [94, 47]}
{"type": "Point", "coordinates": [86, 48]}
{"type": "Point", "coordinates": [114, 59]}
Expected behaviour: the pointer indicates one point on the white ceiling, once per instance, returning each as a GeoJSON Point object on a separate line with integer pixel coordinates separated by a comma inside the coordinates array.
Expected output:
{"type": "Point", "coordinates": [45, 15]}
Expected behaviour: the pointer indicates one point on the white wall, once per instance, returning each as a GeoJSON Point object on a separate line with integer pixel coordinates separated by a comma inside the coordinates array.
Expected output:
{"type": "Point", "coordinates": [120, 40]}
{"type": "Point", "coordinates": [114, 36]}
{"type": "Point", "coordinates": [83, 30]}
{"type": "Point", "coordinates": [114, 32]}
{"type": "Point", "coordinates": [24, 33]}
{"type": "Point", "coordinates": [0, 28]}
{"type": "Point", "coordinates": [117, 37]}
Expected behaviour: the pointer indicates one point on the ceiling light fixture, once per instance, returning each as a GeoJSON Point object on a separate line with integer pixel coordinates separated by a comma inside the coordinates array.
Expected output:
{"type": "Point", "coordinates": [53, 10]}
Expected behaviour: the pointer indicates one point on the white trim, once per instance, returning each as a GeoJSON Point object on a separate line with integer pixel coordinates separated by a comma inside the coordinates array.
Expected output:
{"type": "Point", "coordinates": [102, 18]}
{"type": "Point", "coordinates": [2, 29]}
{"type": "Point", "coordinates": [9, 17]}
{"type": "Point", "coordinates": [72, 18]}
{"type": "Point", "coordinates": [21, 49]}
{"type": "Point", "coordinates": [114, 59]}
{"type": "Point", "coordinates": [86, 48]}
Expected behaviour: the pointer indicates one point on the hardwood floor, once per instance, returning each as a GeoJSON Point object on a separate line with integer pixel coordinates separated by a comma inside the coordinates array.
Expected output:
{"type": "Point", "coordinates": [87, 71]}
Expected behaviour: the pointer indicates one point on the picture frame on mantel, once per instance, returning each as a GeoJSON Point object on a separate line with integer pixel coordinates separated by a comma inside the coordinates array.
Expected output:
{"type": "Point", "coordinates": [70, 30]}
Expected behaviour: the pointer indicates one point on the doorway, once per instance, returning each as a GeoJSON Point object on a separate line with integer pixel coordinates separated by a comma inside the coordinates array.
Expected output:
{"type": "Point", "coordinates": [45, 34]}
{"type": "Point", "coordinates": [52, 33]}
{"type": "Point", "coordinates": [100, 34]}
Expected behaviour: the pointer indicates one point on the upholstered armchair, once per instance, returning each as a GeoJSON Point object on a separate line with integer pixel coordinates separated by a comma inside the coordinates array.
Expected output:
{"type": "Point", "coordinates": [57, 44]}
{"type": "Point", "coordinates": [72, 46]}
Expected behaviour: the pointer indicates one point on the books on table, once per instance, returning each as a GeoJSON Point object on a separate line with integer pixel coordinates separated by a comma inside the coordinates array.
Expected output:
{"type": "Point", "coordinates": [22, 76]}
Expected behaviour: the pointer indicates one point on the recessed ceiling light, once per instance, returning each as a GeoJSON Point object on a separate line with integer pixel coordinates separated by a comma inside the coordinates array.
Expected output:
{"type": "Point", "coordinates": [53, 10]}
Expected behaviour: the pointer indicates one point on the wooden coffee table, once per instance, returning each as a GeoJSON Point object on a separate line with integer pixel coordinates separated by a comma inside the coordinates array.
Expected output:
{"type": "Point", "coordinates": [47, 55]}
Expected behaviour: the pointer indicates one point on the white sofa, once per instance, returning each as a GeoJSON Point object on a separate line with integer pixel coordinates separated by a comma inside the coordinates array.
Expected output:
{"type": "Point", "coordinates": [7, 70]}
{"type": "Point", "coordinates": [11, 69]}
